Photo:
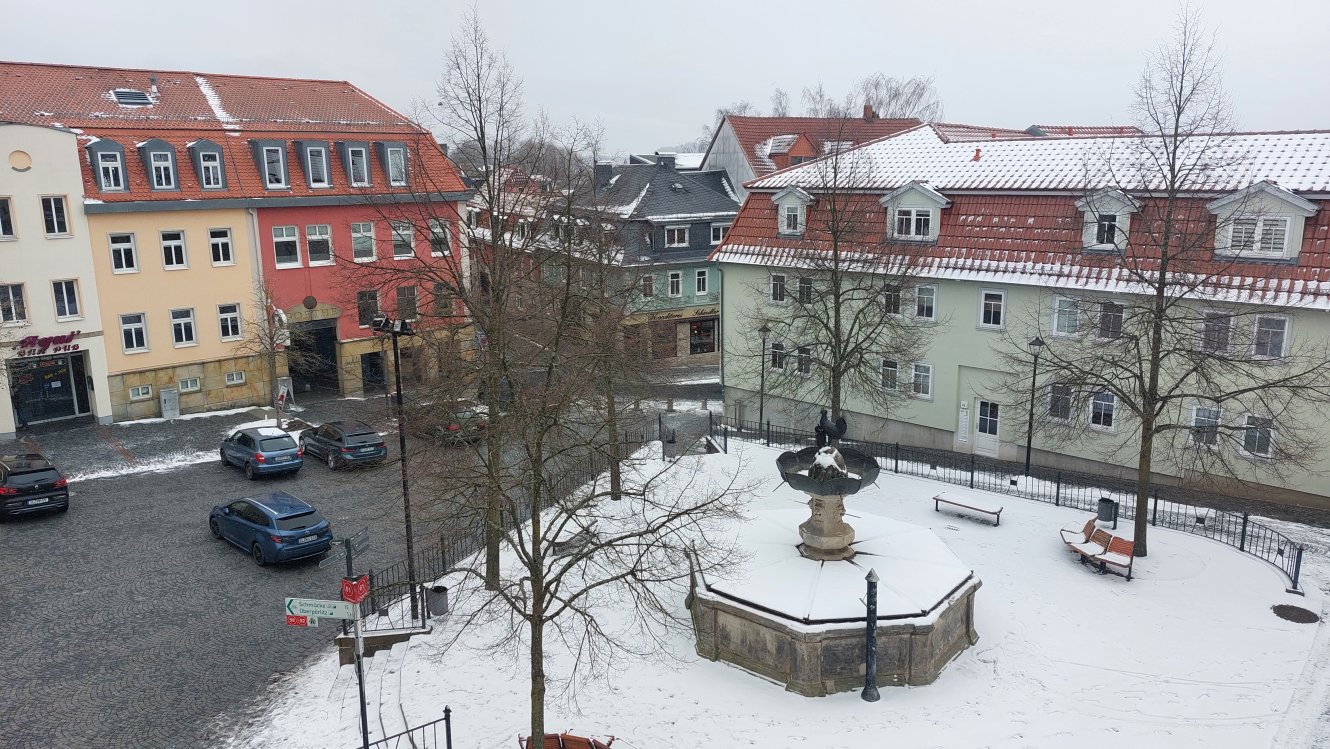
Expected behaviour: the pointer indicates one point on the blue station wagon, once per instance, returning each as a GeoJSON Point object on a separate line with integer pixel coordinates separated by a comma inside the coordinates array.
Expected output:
{"type": "Point", "coordinates": [272, 527]}
{"type": "Point", "coordinates": [262, 450]}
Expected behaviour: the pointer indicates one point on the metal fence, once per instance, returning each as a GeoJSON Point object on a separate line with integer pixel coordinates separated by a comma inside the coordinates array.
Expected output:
{"type": "Point", "coordinates": [424, 736]}
{"type": "Point", "coordinates": [1185, 509]}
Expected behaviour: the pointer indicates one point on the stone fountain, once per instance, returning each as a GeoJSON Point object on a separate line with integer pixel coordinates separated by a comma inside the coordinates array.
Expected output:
{"type": "Point", "coordinates": [796, 613]}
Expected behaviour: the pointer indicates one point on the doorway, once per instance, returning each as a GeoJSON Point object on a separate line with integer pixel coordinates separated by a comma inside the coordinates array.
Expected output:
{"type": "Point", "coordinates": [986, 428]}
{"type": "Point", "coordinates": [312, 356]}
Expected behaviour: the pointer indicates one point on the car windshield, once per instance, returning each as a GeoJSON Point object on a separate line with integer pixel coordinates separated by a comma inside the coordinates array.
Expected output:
{"type": "Point", "coordinates": [465, 415]}
{"type": "Point", "coordinates": [30, 478]}
{"type": "Point", "coordinates": [296, 522]}
{"type": "Point", "coordinates": [370, 438]}
{"type": "Point", "coordinates": [269, 444]}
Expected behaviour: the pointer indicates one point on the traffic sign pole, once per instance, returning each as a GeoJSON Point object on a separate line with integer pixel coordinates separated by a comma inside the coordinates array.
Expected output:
{"type": "Point", "coordinates": [360, 655]}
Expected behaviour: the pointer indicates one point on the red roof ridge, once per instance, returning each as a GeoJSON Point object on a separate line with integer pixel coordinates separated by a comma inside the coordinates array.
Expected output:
{"type": "Point", "coordinates": [113, 68]}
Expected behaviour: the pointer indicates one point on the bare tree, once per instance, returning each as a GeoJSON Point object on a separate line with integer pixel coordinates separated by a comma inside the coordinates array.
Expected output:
{"type": "Point", "coordinates": [846, 316]}
{"type": "Point", "coordinates": [279, 346]}
{"type": "Point", "coordinates": [780, 103]}
{"type": "Point", "coordinates": [1214, 389]}
{"type": "Point", "coordinates": [888, 96]}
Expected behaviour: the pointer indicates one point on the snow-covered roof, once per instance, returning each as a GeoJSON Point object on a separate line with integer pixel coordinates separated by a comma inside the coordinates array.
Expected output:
{"type": "Point", "coordinates": [1298, 161]}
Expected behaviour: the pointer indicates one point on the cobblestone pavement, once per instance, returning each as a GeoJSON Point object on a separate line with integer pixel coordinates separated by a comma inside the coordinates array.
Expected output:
{"type": "Point", "coordinates": [127, 625]}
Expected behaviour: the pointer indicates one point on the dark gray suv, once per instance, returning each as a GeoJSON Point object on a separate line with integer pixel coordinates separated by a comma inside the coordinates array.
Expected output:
{"type": "Point", "coordinates": [29, 483]}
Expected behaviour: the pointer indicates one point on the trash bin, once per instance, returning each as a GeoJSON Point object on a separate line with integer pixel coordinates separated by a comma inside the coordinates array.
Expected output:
{"type": "Point", "coordinates": [1108, 512]}
{"type": "Point", "coordinates": [436, 599]}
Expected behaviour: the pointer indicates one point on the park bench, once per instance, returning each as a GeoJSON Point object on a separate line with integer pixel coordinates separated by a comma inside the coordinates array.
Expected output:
{"type": "Point", "coordinates": [973, 504]}
{"type": "Point", "coordinates": [566, 741]}
{"type": "Point", "coordinates": [1099, 547]}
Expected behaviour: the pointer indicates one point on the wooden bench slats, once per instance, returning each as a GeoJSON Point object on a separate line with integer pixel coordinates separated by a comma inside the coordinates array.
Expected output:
{"type": "Point", "coordinates": [1097, 545]}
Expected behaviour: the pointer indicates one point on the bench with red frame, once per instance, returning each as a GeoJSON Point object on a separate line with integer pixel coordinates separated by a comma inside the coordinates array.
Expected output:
{"type": "Point", "coordinates": [566, 741]}
{"type": "Point", "coordinates": [1099, 547]}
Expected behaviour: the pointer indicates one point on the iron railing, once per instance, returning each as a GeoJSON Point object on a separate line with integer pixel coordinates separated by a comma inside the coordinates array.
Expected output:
{"type": "Point", "coordinates": [1188, 510]}
{"type": "Point", "coordinates": [423, 736]}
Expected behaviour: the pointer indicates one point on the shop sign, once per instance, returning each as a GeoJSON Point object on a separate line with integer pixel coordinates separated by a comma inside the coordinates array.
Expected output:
{"type": "Point", "coordinates": [49, 344]}
{"type": "Point", "coordinates": [681, 314]}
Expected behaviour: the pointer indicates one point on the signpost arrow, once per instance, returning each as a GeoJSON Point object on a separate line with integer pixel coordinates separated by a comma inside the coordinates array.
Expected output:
{"type": "Point", "coordinates": [321, 609]}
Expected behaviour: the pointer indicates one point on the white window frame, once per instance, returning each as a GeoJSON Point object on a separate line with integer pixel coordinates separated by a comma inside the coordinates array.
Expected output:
{"type": "Point", "coordinates": [913, 217]}
{"type": "Point", "coordinates": [321, 154]}
{"type": "Point", "coordinates": [190, 385]}
{"type": "Point", "coordinates": [181, 325]}
{"type": "Point", "coordinates": [235, 378]}
{"type": "Point", "coordinates": [1001, 309]}
{"type": "Point", "coordinates": [1120, 312]}
{"type": "Point", "coordinates": [288, 234]}
{"type": "Point", "coordinates": [1066, 316]}
{"type": "Point", "coordinates": [220, 249]}
{"type": "Point", "coordinates": [701, 281]}
{"type": "Point", "coordinates": [230, 318]}
{"type": "Point", "coordinates": [141, 326]}
{"type": "Point", "coordinates": [1211, 428]}
{"type": "Point", "coordinates": [18, 306]}
{"type": "Point", "coordinates": [924, 369]}
{"type": "Point", "coordinates": [410, 235]}
{"type": "Point", "coordinates": [110, 164]}
{"type": "Point", "coordinates": [1248, 427]}
{"type": "Point", "coordinates": [282, 182]}
{"type": "Point", "coordinates": [1099, 407]}
{"type": "Point", "coordinates": [776, 356]}
{"type": "Point", "coordinates": [66, 290]}
{"type": "Point", "coordinates": [778, 292]}
{"type": "Point", "coordinates": [210, 171]}
{"type": "Point", "coordinates": [803, 290]}
{"type": "Point", "coordinates": [676, 283]}
{"type": "Point", "coordinates": [173, 249]}
{"type": "Point", "coordinates": [681, 240]}
{"type": "Point", "coordinates": [794, 210]}
{"type": "Point", "coordinates": [920, 294]}
{"type": "Point", "coordinates": [316, 232]}
{"type": "Point", "coordinates": [363, 230]}
{"type": "Point", "coordinates": [1258, 228]}
{"type": "Point", "coordinates": [58, 226]}
{"type": "Point", "coordinates": [351, 156]}
{"type": "Point", "coordinates": [140, 392]}
{"type": "Point", "coordinates": [803, 361]}
{"type": "Point", "coordinates": [399, 179]}
{"type": "Point", "coordinates": [1101, 221]}
{"type": "Point", "coordinates": [126, 251]}
{"type": "Point", "coordinates": [1069, 397]}
{"type": "Point", "coordinates": [719, 232]}
{"type": "Point", "coordinates": [890, 300]}
{"type": "Point", "coordinates": [1284, 337]}
{"type": "Point", "coordinates": [894, 381]}
{"type": "Point", "coordinates": [439, 227]}
{"type": "Point", "coordinates": [163, 170]}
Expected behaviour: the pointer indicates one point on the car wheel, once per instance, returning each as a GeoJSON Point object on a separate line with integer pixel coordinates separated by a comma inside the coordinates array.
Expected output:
{"type": "Point", "coordinates": [256, 552]}
{"type": "Point", "coordinates": [332, 462]}
{"type": "Point", "coordinates": [249, 472]}
{"type": "Point", "coordinates": [225, 463]}
{"type": "Point", "coordinates": [214, 528]}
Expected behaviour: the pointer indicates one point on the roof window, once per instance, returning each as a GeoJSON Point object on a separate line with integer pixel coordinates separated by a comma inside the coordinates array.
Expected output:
{"type": "Point", "coordinates": [128, 97]}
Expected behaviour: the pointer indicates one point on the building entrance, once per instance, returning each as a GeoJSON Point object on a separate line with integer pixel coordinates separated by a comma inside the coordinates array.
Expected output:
{"type": "Point", "coordinates": [46, 388]}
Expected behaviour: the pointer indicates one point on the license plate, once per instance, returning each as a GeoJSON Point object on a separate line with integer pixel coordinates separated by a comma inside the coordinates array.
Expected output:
{"type": "Point", "coordinates": [306, 539]}
{"type": "Point", "coordinates": [367, 449]}
{"type": "Point", "coordinates": [283, 458]}
{"type": "Point", "coordinates": [41, 501]}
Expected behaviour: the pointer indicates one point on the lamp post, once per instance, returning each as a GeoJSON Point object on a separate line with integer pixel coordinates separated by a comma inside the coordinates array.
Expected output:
{"type": "Point", "coordinates": [1036, 345]}
{"type": "Point", "coordinates": [763, 331]}
{"type": "Point", "coordinates": [870, 642]}
{"type": "Point", "coordinates": [397, 329]}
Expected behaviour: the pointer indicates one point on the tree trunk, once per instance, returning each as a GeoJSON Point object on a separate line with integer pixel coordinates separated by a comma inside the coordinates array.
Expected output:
{"type": "Point", "coordinates": [612, 428]}
{"type": "Point", "coordinates": [493, 509]}
{"type": "Point", "coordinates": [271, 357]}
{"type": "Point", "coordinates": [537, 669]}
{"type": "Point", "coordinates": [1143, 472]}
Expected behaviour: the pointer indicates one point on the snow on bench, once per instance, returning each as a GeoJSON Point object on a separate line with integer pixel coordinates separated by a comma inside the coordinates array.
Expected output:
{"type": "Point", "coordinates": [1099, 546]}
{"type": "Point", "coordinates": [973, 504]}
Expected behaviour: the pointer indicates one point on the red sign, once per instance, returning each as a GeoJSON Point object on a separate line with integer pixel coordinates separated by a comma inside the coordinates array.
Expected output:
{"type": "Point", "coordinates": [355, 589]}
{"type": "Point", "coordinates": [37, 345]}
{"type": "Point", "coordinates": [297, 621]}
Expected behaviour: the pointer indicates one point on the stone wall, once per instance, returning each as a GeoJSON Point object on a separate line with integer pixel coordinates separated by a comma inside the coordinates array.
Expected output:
{"type": "Point", "coordinates": [214, 393]}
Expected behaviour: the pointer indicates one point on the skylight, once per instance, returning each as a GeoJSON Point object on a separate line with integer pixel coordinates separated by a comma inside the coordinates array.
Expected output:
{"type": "Point", "coordinates": [128, 97]}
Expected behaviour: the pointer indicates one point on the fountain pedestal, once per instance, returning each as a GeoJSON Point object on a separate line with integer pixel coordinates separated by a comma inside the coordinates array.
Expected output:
{"type": "Point", "coordinates": [826, 536]}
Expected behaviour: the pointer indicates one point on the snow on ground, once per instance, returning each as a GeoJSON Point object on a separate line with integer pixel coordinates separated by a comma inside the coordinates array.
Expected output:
{"type": "Point", "coordinates": [187, 417]}
{"type": "Point", "coordinates": [1187, 654]}
{"type": "Point", "coordinates": [156, 465]}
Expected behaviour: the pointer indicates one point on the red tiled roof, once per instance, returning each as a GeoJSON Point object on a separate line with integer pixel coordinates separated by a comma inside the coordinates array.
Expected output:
{"type": "Point", "coordinates": [1073, 131]}
{"type": "Point", "coordinates": [226, 109]}
{"type": "Point", "coordinates": [752, 131]}
{"type": "Point", "coordinates": [1037, 238]}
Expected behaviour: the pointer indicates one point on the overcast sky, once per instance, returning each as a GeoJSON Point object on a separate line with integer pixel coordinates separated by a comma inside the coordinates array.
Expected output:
{"type": "Point", "coordinates": [653, 73]}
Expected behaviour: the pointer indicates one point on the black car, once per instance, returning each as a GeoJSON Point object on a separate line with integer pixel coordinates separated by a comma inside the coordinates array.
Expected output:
{"type": "Point", "coordinates": [29, 483]}
{"type": "Point", "coordinates": [344, 443]}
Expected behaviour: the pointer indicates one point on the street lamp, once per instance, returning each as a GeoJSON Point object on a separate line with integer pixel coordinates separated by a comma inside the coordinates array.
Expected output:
{"type": "Point", "coordinates": [397, 329]}
{"type": "Point", "coordinates": [1036, 345]}
{"type": "Point", "coordinates": [763, 331]}
{"type": "Point", "coordinates": [870, 642]}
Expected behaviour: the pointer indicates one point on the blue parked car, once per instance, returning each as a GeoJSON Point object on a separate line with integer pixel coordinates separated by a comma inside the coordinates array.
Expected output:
{"type": "Point", "coordinates": [272, 527]}
{"type": "Point", "coordinates": [262, 450]}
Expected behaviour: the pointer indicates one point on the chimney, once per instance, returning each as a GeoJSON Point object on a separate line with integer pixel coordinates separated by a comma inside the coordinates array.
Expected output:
{"type": "Point", "coordinates": [604, 171]}
{"type": "Point", "coordinates": [869, 114]}
{"type": "Point", "coordinates": [976, 155]}
{"type": "Point", "coordinates": [443, 147]}
{"type": "Point", "coordinates": [152, 79]}
{"type": "Point", "coordinates": [665, 159]}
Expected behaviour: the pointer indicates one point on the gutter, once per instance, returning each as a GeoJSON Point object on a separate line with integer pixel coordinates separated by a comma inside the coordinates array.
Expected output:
{"type": "Point", "coordinates": [136, 206]}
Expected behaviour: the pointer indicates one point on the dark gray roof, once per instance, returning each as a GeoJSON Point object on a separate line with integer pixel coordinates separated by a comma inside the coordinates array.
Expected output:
{"type": "Point", "coordinates": [644, 191]}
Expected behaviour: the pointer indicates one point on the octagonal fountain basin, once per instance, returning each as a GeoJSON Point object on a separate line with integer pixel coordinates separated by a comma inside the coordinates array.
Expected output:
{"type": "Point", "coordinates": [802, 622]}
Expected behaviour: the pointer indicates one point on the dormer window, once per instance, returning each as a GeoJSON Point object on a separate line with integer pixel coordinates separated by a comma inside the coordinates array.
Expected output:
{"type": "Point", "coordinates": [274, 167]}
{"type": "Point", "coordinates": [207, 158]}
{"type": "Point", "coordinates": [316, 166]}
{"type": "Point", "coordinates": [108, 163]}
{"type": "Point", "coordinates": [358, 167]}
{"type": "Point", "coordinates": [791, 210]}
{"type": "Point", "coordinates": [392, 157]}
{"type": "Point", "coordinates": [1261, 222]}
{"type": "Point", "coordinates": [163, 170]}
{"type": "Point", "coordinates": [913, 212]}
{"type": "Point", "coordinates": [1106, 220]}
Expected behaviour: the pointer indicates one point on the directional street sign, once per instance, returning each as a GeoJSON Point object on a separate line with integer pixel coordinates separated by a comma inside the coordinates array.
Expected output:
{"type": "Point", "coordinates": [321, 609]}
{"type": "Point", "coordinates": [360, 540]}
{"type": "Point", "coordinates": [354, 589]}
